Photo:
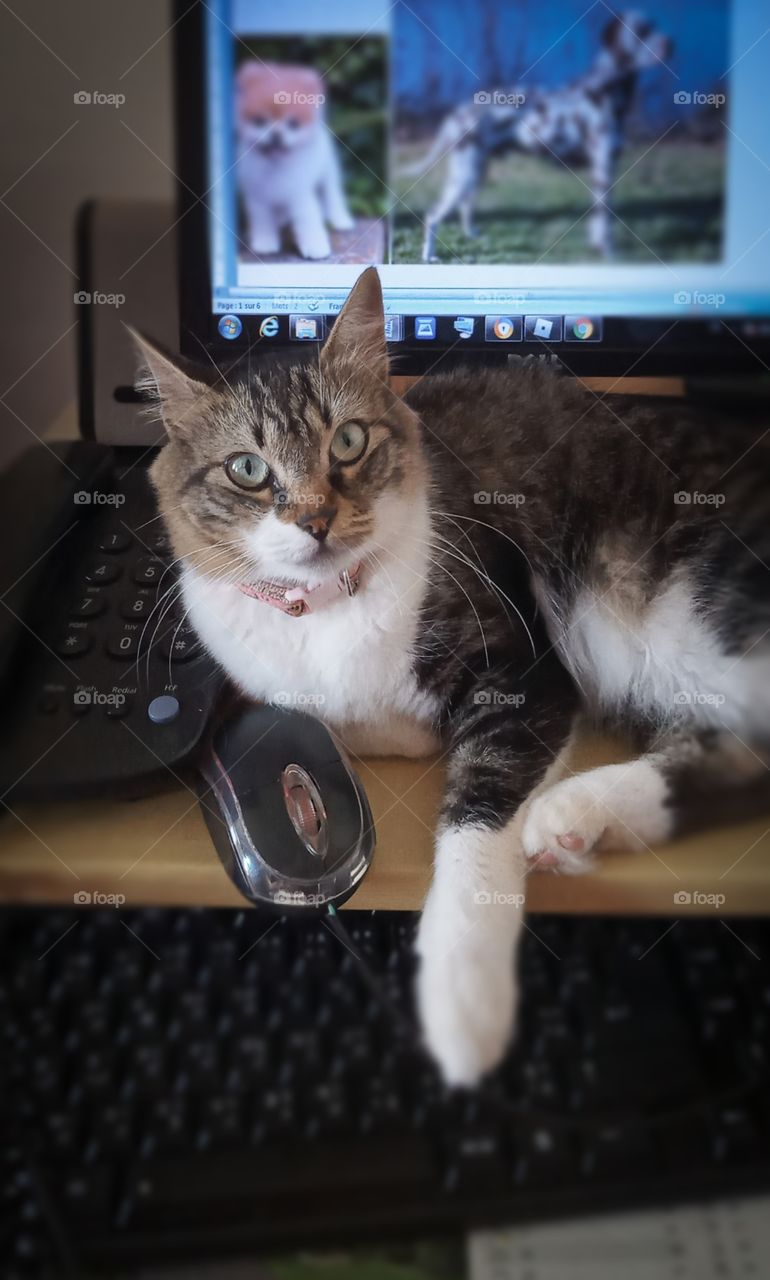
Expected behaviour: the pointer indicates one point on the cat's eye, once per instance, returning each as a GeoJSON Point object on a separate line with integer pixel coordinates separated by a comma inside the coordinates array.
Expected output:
{"type": "Point", "coordinates": [247, 470]}
{"type": "Point", "coordinates": [348, 443]}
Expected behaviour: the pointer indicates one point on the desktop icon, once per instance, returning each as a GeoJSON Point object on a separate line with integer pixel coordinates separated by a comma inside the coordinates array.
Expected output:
{"type": "Point", "coordinates": [305, 328]}
{"type": "Point", "coordinates": [424, 327]}
{"type": "Point", "coordinates": [269, 327]}
{"type": "Point", "coordinates": [542, 328]}
{"type": "Point", "coordinates": [502, 328]}
{"type": "Point", "coordinates": [464, 325]}
{"type": "Point", "coordinates": [394, 328]}
{"type": "Point", "coordinates": [230, 326]}
{"type": "Point", "coordinates": [582, 329]}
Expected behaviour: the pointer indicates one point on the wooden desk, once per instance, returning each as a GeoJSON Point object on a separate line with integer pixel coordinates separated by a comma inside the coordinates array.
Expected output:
{"type": "Point", "coordinates": [158, 850]}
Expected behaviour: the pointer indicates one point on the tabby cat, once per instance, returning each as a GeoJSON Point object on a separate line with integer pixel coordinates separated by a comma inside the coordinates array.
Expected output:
{"type": "Point", "coordinates": [463, 570]}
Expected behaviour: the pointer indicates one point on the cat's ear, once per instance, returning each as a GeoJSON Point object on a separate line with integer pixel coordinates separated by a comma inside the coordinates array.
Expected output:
{"type": "Point", "coordinates": [164, 380]}
{"type": "Point", "coordinates": [360, 326]}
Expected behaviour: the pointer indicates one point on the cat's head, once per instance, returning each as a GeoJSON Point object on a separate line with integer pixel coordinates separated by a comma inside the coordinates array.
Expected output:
{"type": "Point", "coordinates": [295, 469]}
{"type": "Point", "coordinates": [278, 107]}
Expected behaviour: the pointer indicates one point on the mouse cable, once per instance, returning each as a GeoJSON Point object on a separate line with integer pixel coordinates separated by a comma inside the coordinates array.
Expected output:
{"type": "Point", "coordinates": [373, 981]}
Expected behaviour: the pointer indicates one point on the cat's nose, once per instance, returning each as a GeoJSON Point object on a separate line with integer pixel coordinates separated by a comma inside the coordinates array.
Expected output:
{"type": "Point", "coordinates": [317, 523]}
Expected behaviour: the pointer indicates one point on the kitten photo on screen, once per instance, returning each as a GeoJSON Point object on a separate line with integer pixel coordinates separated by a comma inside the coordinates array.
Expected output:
{"type": "Point", "coordinates": [288, 171]}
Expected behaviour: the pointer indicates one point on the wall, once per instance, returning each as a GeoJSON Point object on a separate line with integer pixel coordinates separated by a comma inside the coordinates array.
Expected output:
{"type": "Point", "coordinates": [55, 155]}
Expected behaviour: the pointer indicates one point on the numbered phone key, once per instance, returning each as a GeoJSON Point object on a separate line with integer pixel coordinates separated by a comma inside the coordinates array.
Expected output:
{"type": "Point", "coordinates": [89, 605]}
{"type": "Point", "coordinates": [148, 571]}
{"type": "Point", "coordinates": [137, 607]}
{"type": "Point", "coordinates": [101, 571]}
{"type": "Point", "coordinates": [125, 643]}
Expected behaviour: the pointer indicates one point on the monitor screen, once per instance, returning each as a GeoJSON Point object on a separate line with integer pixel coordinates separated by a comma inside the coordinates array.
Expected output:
{"type": "Point", "coordinates": [527, 177]}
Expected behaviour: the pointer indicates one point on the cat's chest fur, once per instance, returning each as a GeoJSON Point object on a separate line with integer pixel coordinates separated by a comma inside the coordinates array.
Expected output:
{"type": "Point", "coordinates": [351, 663]}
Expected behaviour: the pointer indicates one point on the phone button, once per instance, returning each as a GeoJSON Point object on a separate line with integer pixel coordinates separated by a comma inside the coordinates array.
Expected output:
{"type": "Point", "coordinates": [74, 643]}
{"type": "Point", "coordinates": [116, 710]}
{"type": "Point", "coordinates": [137, 606]}
{"type": "Point", "coordinates": [124, 644]}
{"type": "Point", "coordinates": [148, 571]}
{"type": "Point", "coordinates": [102, 571]}
{"type": "Point", "coordinates": [115, 542]}
{"type": "Point", "coordinates": [89, 606]}
{"type": "Point", "coordinates": [164, 709]}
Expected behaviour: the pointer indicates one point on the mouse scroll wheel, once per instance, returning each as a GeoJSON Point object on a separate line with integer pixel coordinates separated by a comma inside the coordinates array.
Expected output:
{"type": "Point", "coordinates": [305, 808]}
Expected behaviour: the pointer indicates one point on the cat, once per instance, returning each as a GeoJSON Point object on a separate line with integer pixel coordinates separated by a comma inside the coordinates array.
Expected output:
{"type": "Point", "coordinates": [494, 553]}
{"type": "Point", "coordinates": [288, 171]}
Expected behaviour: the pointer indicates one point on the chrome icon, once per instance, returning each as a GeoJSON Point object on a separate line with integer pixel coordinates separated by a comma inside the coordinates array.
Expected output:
{"type": "Point", "coordinates": [583, 328]}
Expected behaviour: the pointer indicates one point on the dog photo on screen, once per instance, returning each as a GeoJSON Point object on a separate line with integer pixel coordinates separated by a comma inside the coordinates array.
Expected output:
{"type": "Point", "coordinates": [547, 139]}
{"type": "Point", "coordinates": [310, 133]}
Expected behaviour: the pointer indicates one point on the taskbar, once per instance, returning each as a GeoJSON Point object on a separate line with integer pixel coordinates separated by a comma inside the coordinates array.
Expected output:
{"type": "Point", "coordinates": [523, 333]}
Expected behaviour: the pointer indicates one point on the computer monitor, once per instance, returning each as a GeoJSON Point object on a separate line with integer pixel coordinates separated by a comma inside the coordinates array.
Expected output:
{"type": "Point", "coordinates": [589, 183]}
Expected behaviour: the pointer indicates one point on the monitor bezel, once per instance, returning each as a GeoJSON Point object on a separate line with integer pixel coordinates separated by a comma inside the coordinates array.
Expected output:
{"type": "Point", "coordinates": [690, 346]}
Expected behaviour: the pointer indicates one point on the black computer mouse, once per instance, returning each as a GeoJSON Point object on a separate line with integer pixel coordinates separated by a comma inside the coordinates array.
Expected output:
{"type": "Point", "coordinates": [288, 816]}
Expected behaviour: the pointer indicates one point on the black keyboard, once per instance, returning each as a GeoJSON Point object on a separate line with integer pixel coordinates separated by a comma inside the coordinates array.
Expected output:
{"type": "Point", "coordinates": [189, 1083]}
{"type": "Point", "coordinates": [110, 690]}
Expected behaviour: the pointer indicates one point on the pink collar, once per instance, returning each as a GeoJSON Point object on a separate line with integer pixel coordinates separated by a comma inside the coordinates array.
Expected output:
{"type": "Point", "coordinates": [296, 600]}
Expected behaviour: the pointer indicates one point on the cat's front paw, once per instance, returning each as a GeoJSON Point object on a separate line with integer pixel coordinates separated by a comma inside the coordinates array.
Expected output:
{"type": "Point", "coordinates": [563, 827]}
{"type": "Point", "coordinates": [466, 991]}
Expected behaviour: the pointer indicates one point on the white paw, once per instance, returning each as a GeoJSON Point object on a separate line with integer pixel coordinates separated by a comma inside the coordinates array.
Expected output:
{"type": "Point", "coordinates": [264, 244]}
{"type": "Point", "coordinates": [563, 826]}
{"type": "Point", "coordinates": [315, 246]}
{"type": "Point", "coordinates": [342, 222]}
{"type": "Point", "coordinates": [466, 993]}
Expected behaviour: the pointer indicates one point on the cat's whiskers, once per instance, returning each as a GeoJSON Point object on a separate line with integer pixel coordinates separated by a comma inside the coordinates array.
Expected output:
{"type": "Point", "coordinates": [486, 525]}
{"type": "Point", "coordinates": [484, 577]}
{"type": "Point", "coordinates": [166, 602]}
